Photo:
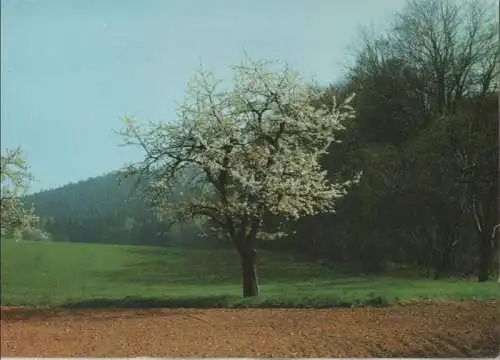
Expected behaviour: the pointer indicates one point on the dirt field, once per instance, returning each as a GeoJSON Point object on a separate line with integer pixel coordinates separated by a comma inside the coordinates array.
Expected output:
{"type": "Point", "coordinates": [438, 329]}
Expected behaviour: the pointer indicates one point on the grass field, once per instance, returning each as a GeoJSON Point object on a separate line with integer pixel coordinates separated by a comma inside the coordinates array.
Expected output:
{"type": "Point", "coordinates": [88, 275]}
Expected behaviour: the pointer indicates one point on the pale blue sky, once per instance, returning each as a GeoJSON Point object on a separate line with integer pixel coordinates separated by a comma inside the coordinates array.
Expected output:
{"type": "Point", "coordinates": [70, 69]}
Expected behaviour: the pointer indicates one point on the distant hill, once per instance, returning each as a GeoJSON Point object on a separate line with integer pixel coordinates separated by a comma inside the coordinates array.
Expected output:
{"type": "Point", "coordinates": [103, 210]}
{"type": "Point", "coordinates": [100, 195]}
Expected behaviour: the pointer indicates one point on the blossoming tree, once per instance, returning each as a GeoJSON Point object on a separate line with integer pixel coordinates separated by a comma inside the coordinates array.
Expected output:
{"type": "Point", "coordinates": [14, 178]}
{"type": "Point", "coordinates": [246, 151]}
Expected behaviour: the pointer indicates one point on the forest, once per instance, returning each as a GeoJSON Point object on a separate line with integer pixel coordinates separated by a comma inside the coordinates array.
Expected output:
{"type": "Point", "coordinates": [425, 138]}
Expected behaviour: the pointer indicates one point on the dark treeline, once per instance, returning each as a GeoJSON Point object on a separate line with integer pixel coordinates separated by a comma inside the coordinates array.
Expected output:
{"type": "Point", "coordinates": [425, 137]}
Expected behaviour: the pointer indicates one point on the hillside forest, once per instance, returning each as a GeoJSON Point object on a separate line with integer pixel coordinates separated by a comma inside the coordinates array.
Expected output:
{"type": "Point", "coordinates": [424, 137]}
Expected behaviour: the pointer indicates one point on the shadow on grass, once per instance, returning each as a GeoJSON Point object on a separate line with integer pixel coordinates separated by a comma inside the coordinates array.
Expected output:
{"type": "Point", "coordinates": [205, 302]}
{"type": "Point", "coordinates": [106, 308]}
{"type": "Point", "coordinates": [227, 301]}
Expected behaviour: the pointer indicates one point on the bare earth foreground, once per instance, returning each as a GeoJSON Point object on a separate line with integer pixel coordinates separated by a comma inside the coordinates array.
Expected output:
{"type": "Point", "coordinates": [424, 329]}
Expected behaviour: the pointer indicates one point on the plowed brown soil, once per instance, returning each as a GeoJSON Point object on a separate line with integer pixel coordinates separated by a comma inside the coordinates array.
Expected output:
{"type": "Point", "coordinates": [424, 329]}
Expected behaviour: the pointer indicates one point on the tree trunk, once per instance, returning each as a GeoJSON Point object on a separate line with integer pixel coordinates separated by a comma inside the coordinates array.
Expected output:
{"type": "Point", "coordinates": [443, 265]}
{"type": "Point", "coordinates": [447, 253]}
{"type": "Point", "coordinates": [485, 219]}
{"type": "Point", "coordinates": [485, 257]}
{"type": "Point", "coordinates": [249, 268]}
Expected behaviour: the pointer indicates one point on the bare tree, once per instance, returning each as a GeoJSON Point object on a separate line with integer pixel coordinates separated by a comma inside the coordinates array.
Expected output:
{"type": "Point", "coordinates": [246, 151]}
{"type": "Point", "coordinates": [454, 44]}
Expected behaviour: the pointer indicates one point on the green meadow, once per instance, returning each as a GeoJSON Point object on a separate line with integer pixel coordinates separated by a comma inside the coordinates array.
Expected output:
{"type": "Point", "coordinates": [92, 275]}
